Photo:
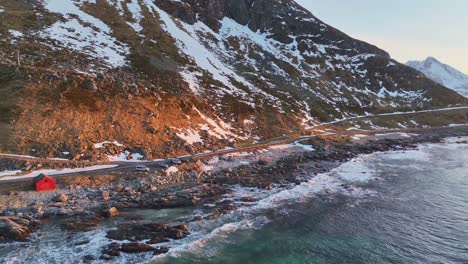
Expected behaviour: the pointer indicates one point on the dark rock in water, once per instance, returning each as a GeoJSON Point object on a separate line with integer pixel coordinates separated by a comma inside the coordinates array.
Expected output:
{"type": "Point", "coordinates": [248, 199]}
{"type": "Point", "coordinates": [111, 250]}
{"type": "Point", "coordinates": [86, 222]}
{"type": "Point", "coordinates": [213, 216]}
{"type": "Point", "coordinates": [81, 225]}
{"type": "Point", "coordinates": [105, 257]}
{"type": "Point", "coordinates": [161, 250]}
{"type": "Point", "coordinates": [136, 248]}
{"type": "Point", "coordinates": [175, 234]}
{"type": "Point", "coordinates": [182, 227]}
{"type": "Point", "coordinates": [197, 219]}
{"type": "Point", "coordinates": [89, 259]}
{"type": "Point", "coordinates": [221, 209]}
{"type": "Point", "coordinates": [84, 242]}
{"type": "Point", "coordinates": [153, 231]}
{"type": "Point", "coordinates": [226, 206]}
{"type": "Point", "coordinates": [14, 229]}
{"type": "Point", "coordinates": [158, 240]}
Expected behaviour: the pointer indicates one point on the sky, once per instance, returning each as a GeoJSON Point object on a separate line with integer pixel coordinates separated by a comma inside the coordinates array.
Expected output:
{"type": "Point", "coordinates": [407, 29]}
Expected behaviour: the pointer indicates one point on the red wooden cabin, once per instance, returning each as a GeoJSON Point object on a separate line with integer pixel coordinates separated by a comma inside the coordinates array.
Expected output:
{"type": "Point", "coordinates": [44, 183]}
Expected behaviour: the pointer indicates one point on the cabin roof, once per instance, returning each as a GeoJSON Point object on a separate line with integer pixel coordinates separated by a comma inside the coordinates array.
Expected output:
{"type": "Point", "coordinates": [40, 177]}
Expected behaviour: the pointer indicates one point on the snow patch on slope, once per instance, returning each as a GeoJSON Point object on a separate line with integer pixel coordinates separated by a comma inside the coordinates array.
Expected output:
{"type": "Point", "coordinates": [221, 130]}
{"type": "Point", "coordinates": [206, 49]}
{"type": "Point", "coordinates": [190, 136]}
{"type": "Point", "coordinates": [134, 8]}
{"type": "Point", "coordinates": [127, 156]}
{"type": "Point", "coordinates": [190, 45]}
{"type": "Point", "coordinates": [84, 33]}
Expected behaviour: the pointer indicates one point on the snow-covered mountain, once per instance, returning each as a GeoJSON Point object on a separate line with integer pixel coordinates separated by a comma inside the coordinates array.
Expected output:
{"type": "Point", "coordinates": [163, 76]}
{"type": "Point", "coordinates": [443, 74]}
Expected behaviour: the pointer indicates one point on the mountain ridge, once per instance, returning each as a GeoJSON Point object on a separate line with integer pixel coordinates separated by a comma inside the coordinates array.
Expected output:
{"type": "Point", "coordinates": [174, 77]}
{"type": "Point", "coordinates": [442, 73]}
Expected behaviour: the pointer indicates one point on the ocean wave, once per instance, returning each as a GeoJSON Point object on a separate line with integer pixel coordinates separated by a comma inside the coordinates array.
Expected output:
{"type": "Point", "coordinates": [338, 181]}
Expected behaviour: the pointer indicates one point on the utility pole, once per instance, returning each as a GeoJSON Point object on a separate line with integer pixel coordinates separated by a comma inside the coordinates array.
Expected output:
{"type": "Point", "coordinates": [18, 62]}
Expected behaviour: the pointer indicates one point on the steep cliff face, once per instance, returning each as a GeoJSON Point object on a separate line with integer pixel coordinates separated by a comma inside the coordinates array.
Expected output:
{"type": "Point", "coordinates": [166, 77]}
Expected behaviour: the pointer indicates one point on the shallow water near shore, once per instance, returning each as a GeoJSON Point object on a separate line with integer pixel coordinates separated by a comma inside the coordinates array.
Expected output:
{"type": "Point", "coordinates": [392, 207]}
{"type": "Point", "coordinates": [406, 207]}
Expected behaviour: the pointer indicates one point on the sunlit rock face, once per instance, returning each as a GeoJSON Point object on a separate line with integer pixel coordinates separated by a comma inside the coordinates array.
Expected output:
{"type": "Point", "coordinates": [170, 77]}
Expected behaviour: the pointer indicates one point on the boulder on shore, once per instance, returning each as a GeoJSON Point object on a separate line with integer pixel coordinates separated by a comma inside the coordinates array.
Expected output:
{"type": "Point", "coordinates": [161, 250]}
{"type": "Point", "coordinates": [14, 229]}
{"type": "Point", "coordinates": [112, 212]}
{"type": "Point", "coordinates": [61, 198]}
{"type": "Point", "coordinates": [105, 195]}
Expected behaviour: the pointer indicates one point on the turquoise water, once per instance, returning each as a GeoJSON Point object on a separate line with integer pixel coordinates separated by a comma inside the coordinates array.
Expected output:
{"type": "Point", "coordinates": [413, 208]}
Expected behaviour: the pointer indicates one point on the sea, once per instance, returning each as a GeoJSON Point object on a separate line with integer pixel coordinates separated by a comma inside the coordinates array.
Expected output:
{"type": "Point", "coordinates": [408, 206]}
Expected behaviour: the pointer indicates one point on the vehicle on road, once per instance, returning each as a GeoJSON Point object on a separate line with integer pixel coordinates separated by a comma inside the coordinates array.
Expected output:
{"type": "Point", "coordinates": [176, 161]}
{"type": "Point", "coordinates": [164, 166]}
{"type": "Point", "coordinates": [142, 168]}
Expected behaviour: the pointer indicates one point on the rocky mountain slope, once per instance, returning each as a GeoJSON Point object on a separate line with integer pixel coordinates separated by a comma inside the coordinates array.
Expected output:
{"type": "Point", "coordinates": [169, 77]}
{"type": "Point", "coordinates": [443, 74]}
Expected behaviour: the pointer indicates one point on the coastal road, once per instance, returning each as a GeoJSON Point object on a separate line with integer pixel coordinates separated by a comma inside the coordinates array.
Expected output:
{"type": "Point", "coordinates": [392, 114]}
{"type": "Point", "coordinates": [158, 164]}
{"type": "Point", "coordinates": [121, 166]}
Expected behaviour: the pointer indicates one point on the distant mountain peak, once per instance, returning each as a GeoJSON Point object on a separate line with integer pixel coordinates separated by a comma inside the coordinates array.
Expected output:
{"type": "Point", "coordinates": [432, 59]}
{"type": "Point", "coordinates": [442, 73]}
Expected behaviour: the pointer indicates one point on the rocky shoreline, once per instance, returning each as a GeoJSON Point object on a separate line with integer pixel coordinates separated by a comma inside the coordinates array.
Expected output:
{"type": "Point", "coordinates": [82, 208]}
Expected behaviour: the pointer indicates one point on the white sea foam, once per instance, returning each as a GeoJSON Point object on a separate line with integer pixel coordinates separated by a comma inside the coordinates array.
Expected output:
{"type": "Point", "coordinates": [455, 140]}
{"type": "Point", "coordinates": [52, 247]}
{"type": "Point", "coordinates": [355, 171]}
{"type": "Point", "coordinates": [405, 155]}
{"type": "Point", "coordinates": [200, 240]}
{"type": "Point", "coordinates": [352, 172]}
{"type": "Point", "coordinates": [276, 199]}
